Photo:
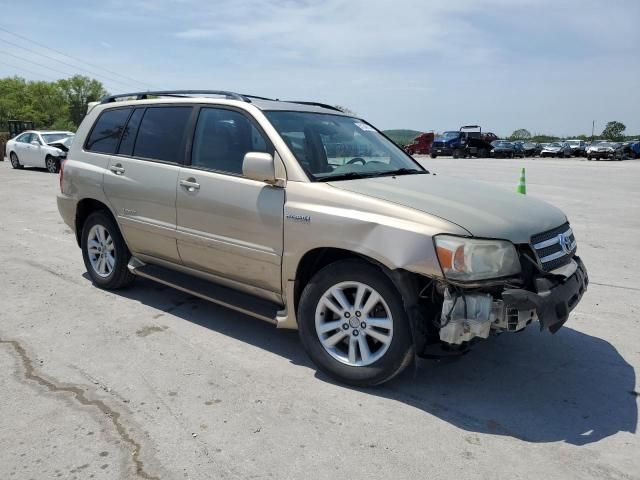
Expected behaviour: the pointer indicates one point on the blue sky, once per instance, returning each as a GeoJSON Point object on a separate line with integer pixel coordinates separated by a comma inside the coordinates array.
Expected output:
{"type": "Point", "coordinates": [548, 66]}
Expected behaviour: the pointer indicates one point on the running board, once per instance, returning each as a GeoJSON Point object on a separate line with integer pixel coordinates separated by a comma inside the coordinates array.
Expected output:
{"type": "Point", "coordinates": [223, 296]}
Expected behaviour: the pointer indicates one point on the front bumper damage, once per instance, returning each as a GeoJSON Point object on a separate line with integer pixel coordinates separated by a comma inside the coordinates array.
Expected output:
{"type": "Point", "coordinates": [467, 316]}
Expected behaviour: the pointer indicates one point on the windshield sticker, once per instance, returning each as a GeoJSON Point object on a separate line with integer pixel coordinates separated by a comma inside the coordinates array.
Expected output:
{"type": "Point", "coordinates": [364, 127]}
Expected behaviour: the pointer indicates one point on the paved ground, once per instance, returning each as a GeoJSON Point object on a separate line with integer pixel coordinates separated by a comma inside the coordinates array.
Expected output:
{"type": "Point", "coordinates": [151, 383]}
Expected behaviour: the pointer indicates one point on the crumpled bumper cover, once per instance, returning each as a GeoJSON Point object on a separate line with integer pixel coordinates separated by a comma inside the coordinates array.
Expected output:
{"type": "Point", "coordinates": [553, 302]}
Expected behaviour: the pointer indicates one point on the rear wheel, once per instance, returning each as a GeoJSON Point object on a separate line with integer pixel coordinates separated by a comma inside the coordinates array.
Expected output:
{"type": "Point", "coordinates": [105, 254]}
{"type": "Point", "coordinates": [353, 325]}
{"type": "Point", "coordinates": [15, 163]}
{"type": "Point", "coordinates": [433, 155]}
{"type": "Point", "coordinates": [52, 164]}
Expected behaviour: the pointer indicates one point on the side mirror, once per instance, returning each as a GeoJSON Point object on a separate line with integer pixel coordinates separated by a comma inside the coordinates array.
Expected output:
{"type": "Point", "coordinates": [259, 166]}
{"type": "Point", "coordinates": [35, 143]}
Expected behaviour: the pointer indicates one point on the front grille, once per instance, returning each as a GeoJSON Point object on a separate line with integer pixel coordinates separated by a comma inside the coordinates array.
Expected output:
{"type": "Point", "coordinates": [438, 145]}
{"type": "Point", "coordinates": [549, 248]}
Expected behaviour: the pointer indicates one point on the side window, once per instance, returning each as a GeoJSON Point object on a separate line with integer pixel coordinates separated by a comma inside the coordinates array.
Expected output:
{"type": "Point", "coordinates": [24, 138]}
{"type": "Point", "coordinates": [161, 134]}
{"type": "Point", "coordinates": [106, 132]}
{"type": "Point", "coordinates": [222, 139]}
{"type": "Point", "coordinates": [130, 131]}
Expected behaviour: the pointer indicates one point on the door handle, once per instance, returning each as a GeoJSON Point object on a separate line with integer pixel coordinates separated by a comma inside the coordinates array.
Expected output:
{"type": "Point", "coordinates": [117, 169]}
{"type": "Point", "coordinates": [190, 184]}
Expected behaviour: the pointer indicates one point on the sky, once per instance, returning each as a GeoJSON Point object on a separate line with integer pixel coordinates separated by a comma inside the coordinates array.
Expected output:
{"type": "Point", "coordinates": [550, 66]}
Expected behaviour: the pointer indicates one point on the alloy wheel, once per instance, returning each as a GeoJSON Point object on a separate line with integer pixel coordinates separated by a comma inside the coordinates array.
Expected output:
{"type": "Point", "coordinates": [51, 165]}
{"type": "Point", "coordinates": [101, 251]}
{"type": "Point", "coordinates": [354, 323]}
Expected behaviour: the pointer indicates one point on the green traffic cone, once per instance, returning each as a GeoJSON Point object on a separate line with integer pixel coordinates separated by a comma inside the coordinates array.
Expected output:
{"type": "Point", "coordinates": [522, 186]}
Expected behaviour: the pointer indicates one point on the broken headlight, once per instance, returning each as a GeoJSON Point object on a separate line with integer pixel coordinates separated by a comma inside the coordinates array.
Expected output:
{"type": "Point", "coordinates": [468, 259]}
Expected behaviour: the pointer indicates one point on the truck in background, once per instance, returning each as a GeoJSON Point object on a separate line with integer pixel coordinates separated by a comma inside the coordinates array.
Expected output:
{"type": "Point", "coordinates": [469, 141]}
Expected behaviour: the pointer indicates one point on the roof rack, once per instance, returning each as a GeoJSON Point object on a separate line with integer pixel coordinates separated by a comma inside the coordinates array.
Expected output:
{"type": "Point", "coordinates": [175, 93]}
{"type": "Point", "coordinates": [314, 104]}
{"type": "Point", "coordinates": [223, 93]}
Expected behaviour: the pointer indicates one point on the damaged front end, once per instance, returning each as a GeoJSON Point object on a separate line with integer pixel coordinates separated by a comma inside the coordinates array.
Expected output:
{"type": "Point", "coordinates": [470, 314]}
{"type": "Point", "coordinates": [455, 315]}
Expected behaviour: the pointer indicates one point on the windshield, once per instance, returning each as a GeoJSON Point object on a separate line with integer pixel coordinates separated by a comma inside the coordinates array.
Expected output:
{"type": "Point", "coordinates": [54, 137]}
{"type": "Point", "coordinates": [500, 143]}
{"type": "Point", "coordinates": [333, 146]}
{"type": "Point", "coordinates": [573, 142]}
{"type": "Point", "coordinates": [555, 144]}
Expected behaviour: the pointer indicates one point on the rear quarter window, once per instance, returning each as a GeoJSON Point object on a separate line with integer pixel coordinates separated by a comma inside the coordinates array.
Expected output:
{"type": "Point", "coordinates": [106, 132]}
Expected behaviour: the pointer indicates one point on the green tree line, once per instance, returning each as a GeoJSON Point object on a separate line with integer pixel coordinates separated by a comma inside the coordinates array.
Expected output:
{"type": "Point", "coordinates": [59, 105]}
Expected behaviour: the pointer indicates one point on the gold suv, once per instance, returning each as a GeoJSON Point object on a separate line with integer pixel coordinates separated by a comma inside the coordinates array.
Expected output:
{"type": "Point", "coordinates": [310, 218]}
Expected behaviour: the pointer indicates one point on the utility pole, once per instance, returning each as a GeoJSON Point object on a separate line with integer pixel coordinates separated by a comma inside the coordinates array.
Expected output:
{"type": "Point", "coordinates": [593, 129]}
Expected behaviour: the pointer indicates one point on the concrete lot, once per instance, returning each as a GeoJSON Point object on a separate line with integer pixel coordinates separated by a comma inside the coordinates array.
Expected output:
{"type": "Point", "coordinates": [152, 383]}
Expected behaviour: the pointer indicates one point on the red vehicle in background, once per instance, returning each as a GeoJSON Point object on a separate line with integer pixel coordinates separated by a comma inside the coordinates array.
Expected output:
{"type": "Point", "coordinates": [421, 145]}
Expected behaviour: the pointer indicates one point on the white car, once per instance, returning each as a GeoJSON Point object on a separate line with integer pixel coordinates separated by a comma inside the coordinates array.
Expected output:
{"type": "Point", "coordinates": [44, 149]}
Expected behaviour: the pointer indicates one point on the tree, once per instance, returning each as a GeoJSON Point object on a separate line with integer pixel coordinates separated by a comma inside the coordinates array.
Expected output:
{"type": "Point", "coordinates": [614, 131]}
{"type": "Point", "coordinates": [78, 92]}
{"type": "Point", "coordinates": [39, 102]}
{"type": "Point", "coordinates": [521, 134]}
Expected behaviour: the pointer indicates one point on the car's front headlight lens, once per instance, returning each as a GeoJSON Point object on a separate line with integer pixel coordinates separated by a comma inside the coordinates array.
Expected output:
{"type": "Point", "coordinates": [468, 259]}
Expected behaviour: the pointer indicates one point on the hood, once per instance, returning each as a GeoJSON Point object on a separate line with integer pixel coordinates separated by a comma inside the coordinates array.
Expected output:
{"type": "Point", "coordinates": [550, 148]}
{"type": "Point", "coordinates": [482, 210]}
{"type": "Point", "coordinates": [63, 144]}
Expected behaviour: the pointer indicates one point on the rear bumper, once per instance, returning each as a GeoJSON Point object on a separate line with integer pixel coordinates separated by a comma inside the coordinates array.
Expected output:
{"type": "Point", "coordinates": [553, 303]}
{"type": "Point", "coordinates": [67, 209]}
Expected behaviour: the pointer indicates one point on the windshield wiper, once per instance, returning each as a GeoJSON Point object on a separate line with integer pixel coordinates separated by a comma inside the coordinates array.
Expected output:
{"type": "Point", "coordinates": [344, 176]}
{"type": "Point", "coordinates": [399, 171]}
{"type": "Point", "coordinates": [386, 173]}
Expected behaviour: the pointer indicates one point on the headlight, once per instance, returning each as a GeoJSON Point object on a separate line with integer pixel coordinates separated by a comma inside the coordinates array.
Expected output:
{"type": "Point", "coordinates": [467, 259]}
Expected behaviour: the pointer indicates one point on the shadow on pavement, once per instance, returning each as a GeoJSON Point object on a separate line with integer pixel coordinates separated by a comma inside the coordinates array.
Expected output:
{"type": "Point", "coordinates": [533, 386]}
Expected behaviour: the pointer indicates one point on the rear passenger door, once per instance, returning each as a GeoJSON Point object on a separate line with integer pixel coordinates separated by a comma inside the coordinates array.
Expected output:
{"type": "Point", "coordinates": [142, 175]}
{"type": "Point", "coordinates": [229, 225]}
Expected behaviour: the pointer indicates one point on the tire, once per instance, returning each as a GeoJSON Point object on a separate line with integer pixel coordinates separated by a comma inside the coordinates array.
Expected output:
{"type": "Point", "coordinates": [385, 359]}
{"type": "Point", "coordinates": [52, 164]}
{"type": "Point", "coordinates": [115, 274]}
{"type": "Point", "coordinates": [433, 155]}
{"type": "Point", "coordinates": [456, 153]}
{"type": "Point", "coordinates": [15, 162]}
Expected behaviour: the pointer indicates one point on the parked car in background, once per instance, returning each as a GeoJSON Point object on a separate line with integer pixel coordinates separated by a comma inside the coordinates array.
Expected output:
{"type": "Point", "coordinates": [518, 148]}
{"type": "Point", "coordinates": [503, 149]}
{"type": "Point", "coordinates": [371, 257]}
{"type": "Point", "coordinates": [605, 151]}
{"type": "Point", "coordinates": [632, 149]}
{"type": "Point", "coordinates": [44, 149]}
{"type": "Point", "coordinates": [556, 149]}
{"type": "Point", "coordinates": [578, 147]}
{"type": "Point", "coordinates": [531, 149]}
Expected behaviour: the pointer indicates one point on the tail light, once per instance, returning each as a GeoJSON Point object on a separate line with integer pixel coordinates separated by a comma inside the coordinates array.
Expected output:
{"type": "Point", "coordinates": [62, 174]}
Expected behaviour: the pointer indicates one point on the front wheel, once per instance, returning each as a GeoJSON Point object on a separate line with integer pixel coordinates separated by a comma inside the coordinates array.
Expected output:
{"type": "Point", "coordinates": [52, 164]}
{"type": "Point", "coordinates": [353, 324]}
{"type": "Point", "coordinates": [105, 254]}
{"type": "Point", "coordinates": [433, 155]}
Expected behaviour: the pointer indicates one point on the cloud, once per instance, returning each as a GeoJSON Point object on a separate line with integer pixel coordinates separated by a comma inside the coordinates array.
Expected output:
{"type": "Point", "coordinates": [193, 33]}
{"type": "Point", "coordinates": [546, 65]}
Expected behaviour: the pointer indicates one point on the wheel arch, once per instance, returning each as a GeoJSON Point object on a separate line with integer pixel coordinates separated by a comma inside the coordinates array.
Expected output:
{"type": "Point", "coordinates": [86, 207]}
{"type": "Point", "coordinates": [316, 259]}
